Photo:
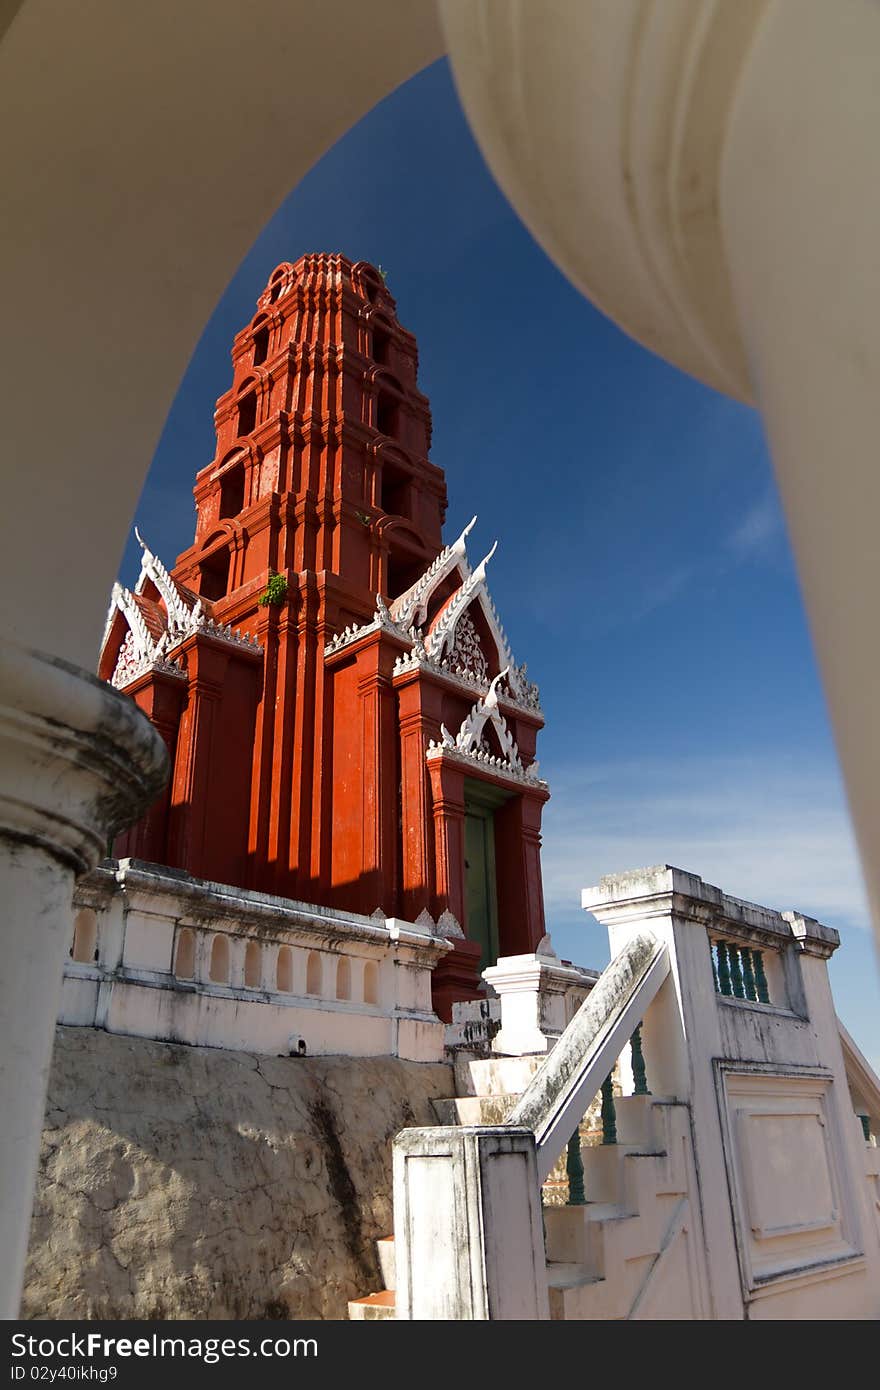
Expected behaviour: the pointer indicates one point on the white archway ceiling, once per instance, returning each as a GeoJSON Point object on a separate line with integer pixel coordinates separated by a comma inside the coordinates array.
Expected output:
{"type": "Point", "coordinates": [143, 149]}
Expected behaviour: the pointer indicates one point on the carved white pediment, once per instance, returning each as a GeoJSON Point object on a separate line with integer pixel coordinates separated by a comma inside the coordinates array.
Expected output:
{"type": "Point", "coordinates": [411, 608]}
{"type": "Point", "coordinates": [470, 743]}
{"type": "Point", "coordinates": [140, 650]}
{"type": "Point", "coordinates": [470, 736]}
{"type": "Point", "coordinates": [451, 642]}
{"type": "Point", "coordinates": [466, 656]}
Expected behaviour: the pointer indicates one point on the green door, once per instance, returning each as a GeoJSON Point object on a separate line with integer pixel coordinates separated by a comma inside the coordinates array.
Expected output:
{"type": "Point", "coordinates": [481, 895]}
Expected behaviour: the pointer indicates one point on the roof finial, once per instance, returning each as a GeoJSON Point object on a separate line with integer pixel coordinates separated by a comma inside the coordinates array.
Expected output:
{"type": "Point", "coordinates": [480, 571]}
{"type": "Point", "coordinates": [457, 547]}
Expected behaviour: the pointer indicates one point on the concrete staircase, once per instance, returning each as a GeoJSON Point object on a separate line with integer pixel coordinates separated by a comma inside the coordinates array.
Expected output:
{"type": "Point", "coordinates": [602, 1258]}
{"type": "Point", "coordinates": [486, 1090]}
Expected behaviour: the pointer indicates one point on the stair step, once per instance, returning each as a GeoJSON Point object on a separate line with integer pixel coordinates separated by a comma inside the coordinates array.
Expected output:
{"type": "Point", "coordinates": [607, 1211]}
{"type": "Point", "coordinates": [494, 1076]}
{"type": "Point", "coordinates": [387, 1261]}
{"type": "Point", "coordinates": [474, 1110]}
{"type": "Point", "coordinates": [569, 1276]}
{"type": "Point", "coordinates": [373, 1307]}
{"type": "Point", "coordinates": [564, 1283]}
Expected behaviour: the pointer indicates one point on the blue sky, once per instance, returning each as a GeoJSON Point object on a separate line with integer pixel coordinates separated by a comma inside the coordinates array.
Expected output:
{"type": "Point", "coordinates": [643, 570]}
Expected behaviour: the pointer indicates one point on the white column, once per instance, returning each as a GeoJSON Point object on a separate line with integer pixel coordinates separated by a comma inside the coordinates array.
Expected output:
{"type": "Point", "coordinates": [467, 1225]}
{"type": "Point", "coordinates": [533, 990]}
{"type": "Point", "coordinates": [800, 205]}
{"type": "Point", "coordinates": [77, 762]}
{"type": "Point", "coordinates": [707, 174]}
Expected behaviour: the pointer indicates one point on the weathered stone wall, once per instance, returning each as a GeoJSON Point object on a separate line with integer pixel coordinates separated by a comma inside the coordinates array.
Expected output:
{"type": "Point", "coordinates": [180, 1182]}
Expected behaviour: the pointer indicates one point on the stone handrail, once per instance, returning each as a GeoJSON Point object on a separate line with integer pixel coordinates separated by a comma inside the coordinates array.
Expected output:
{"type": "Point", "coordinates": [561, 1090]}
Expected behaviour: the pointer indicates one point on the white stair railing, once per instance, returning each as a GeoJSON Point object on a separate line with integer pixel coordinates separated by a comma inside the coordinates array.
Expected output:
{"type": "Point", "coordinates": [467, 1212]}
{"type": "Point", "coordinates": [563, 1087]}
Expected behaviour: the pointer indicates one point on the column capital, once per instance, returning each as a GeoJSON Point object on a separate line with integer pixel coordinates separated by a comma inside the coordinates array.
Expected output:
{"type": "Point", "coordinates": [78, 759]}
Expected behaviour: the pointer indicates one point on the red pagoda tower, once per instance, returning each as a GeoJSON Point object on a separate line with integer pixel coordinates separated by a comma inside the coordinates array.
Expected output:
{"type": "Point", "coordinates": [346, 722]}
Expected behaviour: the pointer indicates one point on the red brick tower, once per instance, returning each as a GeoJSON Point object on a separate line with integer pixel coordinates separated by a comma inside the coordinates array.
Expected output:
{"type": "Point", "coordinates": [346, 722]}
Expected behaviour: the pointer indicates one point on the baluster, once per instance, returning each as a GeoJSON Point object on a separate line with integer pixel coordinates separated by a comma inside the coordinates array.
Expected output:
{"type": "Point", "coordinates": [736, 976]}
{"type": "Point", "coordinates": [640, 1079]}
{"type": "Point", "coordinates": [609, 1115]}
{"type": "Point", "coordinates": [723, 968]}
{"type": "Point", "coordinates": [714, 966]}
{"type": "Point", "coordinates": [574, 1167]}
{"type": "Point", "coordinates": [761, 978]}
{"type": "Point", "coordinates": [748, 974]}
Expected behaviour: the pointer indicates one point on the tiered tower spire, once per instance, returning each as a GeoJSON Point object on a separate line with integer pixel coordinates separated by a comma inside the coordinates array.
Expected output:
{"type": "Point", "coordinates": [307, 655]}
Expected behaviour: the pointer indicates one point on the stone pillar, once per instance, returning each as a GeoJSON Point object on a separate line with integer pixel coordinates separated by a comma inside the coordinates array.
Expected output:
{"type": "Point", "coordinates": [534, 990]}
{"type": "Point", "coordinates": [379, 874]}
{"type": "Point", "coordinates": [447, 795]}
{"type": "Point", "coordinates": [467, 1225]}
{"type": "Point", "coordinates": [160, 695]}
{"type": "Point", "coordinates": [190, 797]}
{"type": "Point", "coordinates": [457, 976]}
{"type": "Point", "coordinates": [419, 706]}
{"type": "Point", "coordinates": [681, 1033]}
{"type": "Point", "coordinates": [782, 1199]}
{"type": "Point", "coordinates": [520, 892]}
{"type": "Point", "coordinates": [78, 761]}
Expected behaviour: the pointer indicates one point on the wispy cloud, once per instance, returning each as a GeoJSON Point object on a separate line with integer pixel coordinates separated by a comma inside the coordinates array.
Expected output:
{"type": "Point", "coordinates": [774, 832]}
{"type": "Point", "coordinates": [664, 590]}
{"type": "Point", "coordinates": [758, 533]}
{"type": "Point", "coordinates": [757, 538]}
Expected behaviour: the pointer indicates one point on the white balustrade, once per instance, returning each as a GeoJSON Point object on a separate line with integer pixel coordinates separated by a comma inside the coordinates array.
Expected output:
{"type": "Point", "coordinates": [176, 958]}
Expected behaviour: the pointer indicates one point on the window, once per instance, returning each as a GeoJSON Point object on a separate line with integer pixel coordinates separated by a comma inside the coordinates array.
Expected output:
{"type": "Point", "coordinates": [218, 970]}
{"type": "Point", "coordinates": [313, 974]}
{"type": "Point", "coordinates": [394, 496]}
{"type": "Point", "coordinates": [85, 937]}
{"type": "Point", "coordinates": [402, 574]}
{"type": "Point", "coordinates": [370, 282]}
{"type": "Point", "coordinates": [371, 982]}
{"type": "Point", "coordinates": [247, 413]}
{"type": "Point", "coordinates": [253, 966]}
{"type": "Point", "coordinates": [232, 491]}
{"type": "Point", "coordinates": [284, 971]}
{"type": "Point", "coordinates": [387, 414]}
{"type": "Point", "coordinates": [261, 345]}
{"type": "Point", "coordinates": [381, 345]}
{"type": "Point", "coordinates": [214, 574]}
{"type": "Point", "coordinates": [185, 959]}
{"type": "Point", "coordinates": [343, 978]}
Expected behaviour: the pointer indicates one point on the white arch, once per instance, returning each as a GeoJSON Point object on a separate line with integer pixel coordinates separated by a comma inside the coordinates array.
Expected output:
{"type": "Point", "coordinates": [125, 307]}
{"type": "Point", "coordinates": [101, 264]}
{"type": "Point", "coordinates": [119, 236]}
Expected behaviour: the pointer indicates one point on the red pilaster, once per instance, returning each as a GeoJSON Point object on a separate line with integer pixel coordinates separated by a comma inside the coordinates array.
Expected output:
{"type": "Point", "coordinates": [518, 862]}
{"type": "Point", "coordinates": [419, 718]}
{"type": "Point", "coordinates": [190, 795]}
{"type": "Point", "coordinates": [160, 696]}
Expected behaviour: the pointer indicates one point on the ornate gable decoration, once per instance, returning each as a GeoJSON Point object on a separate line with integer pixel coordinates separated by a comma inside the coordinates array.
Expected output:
{"type": "Point", "coordinates": [411, 608]}
{"type": "Point", "coordinates": [143, 649]}
{"type": "Point", "coordinates": [466, 656]}
{"type": "Point", "coordinates": [470, 742]}
{"type": "Point", "coordinates": [450, 642]}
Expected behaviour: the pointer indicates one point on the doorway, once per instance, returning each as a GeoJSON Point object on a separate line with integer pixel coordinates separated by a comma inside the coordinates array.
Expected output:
{"type": "Point", "coordinates": [481, 890]}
